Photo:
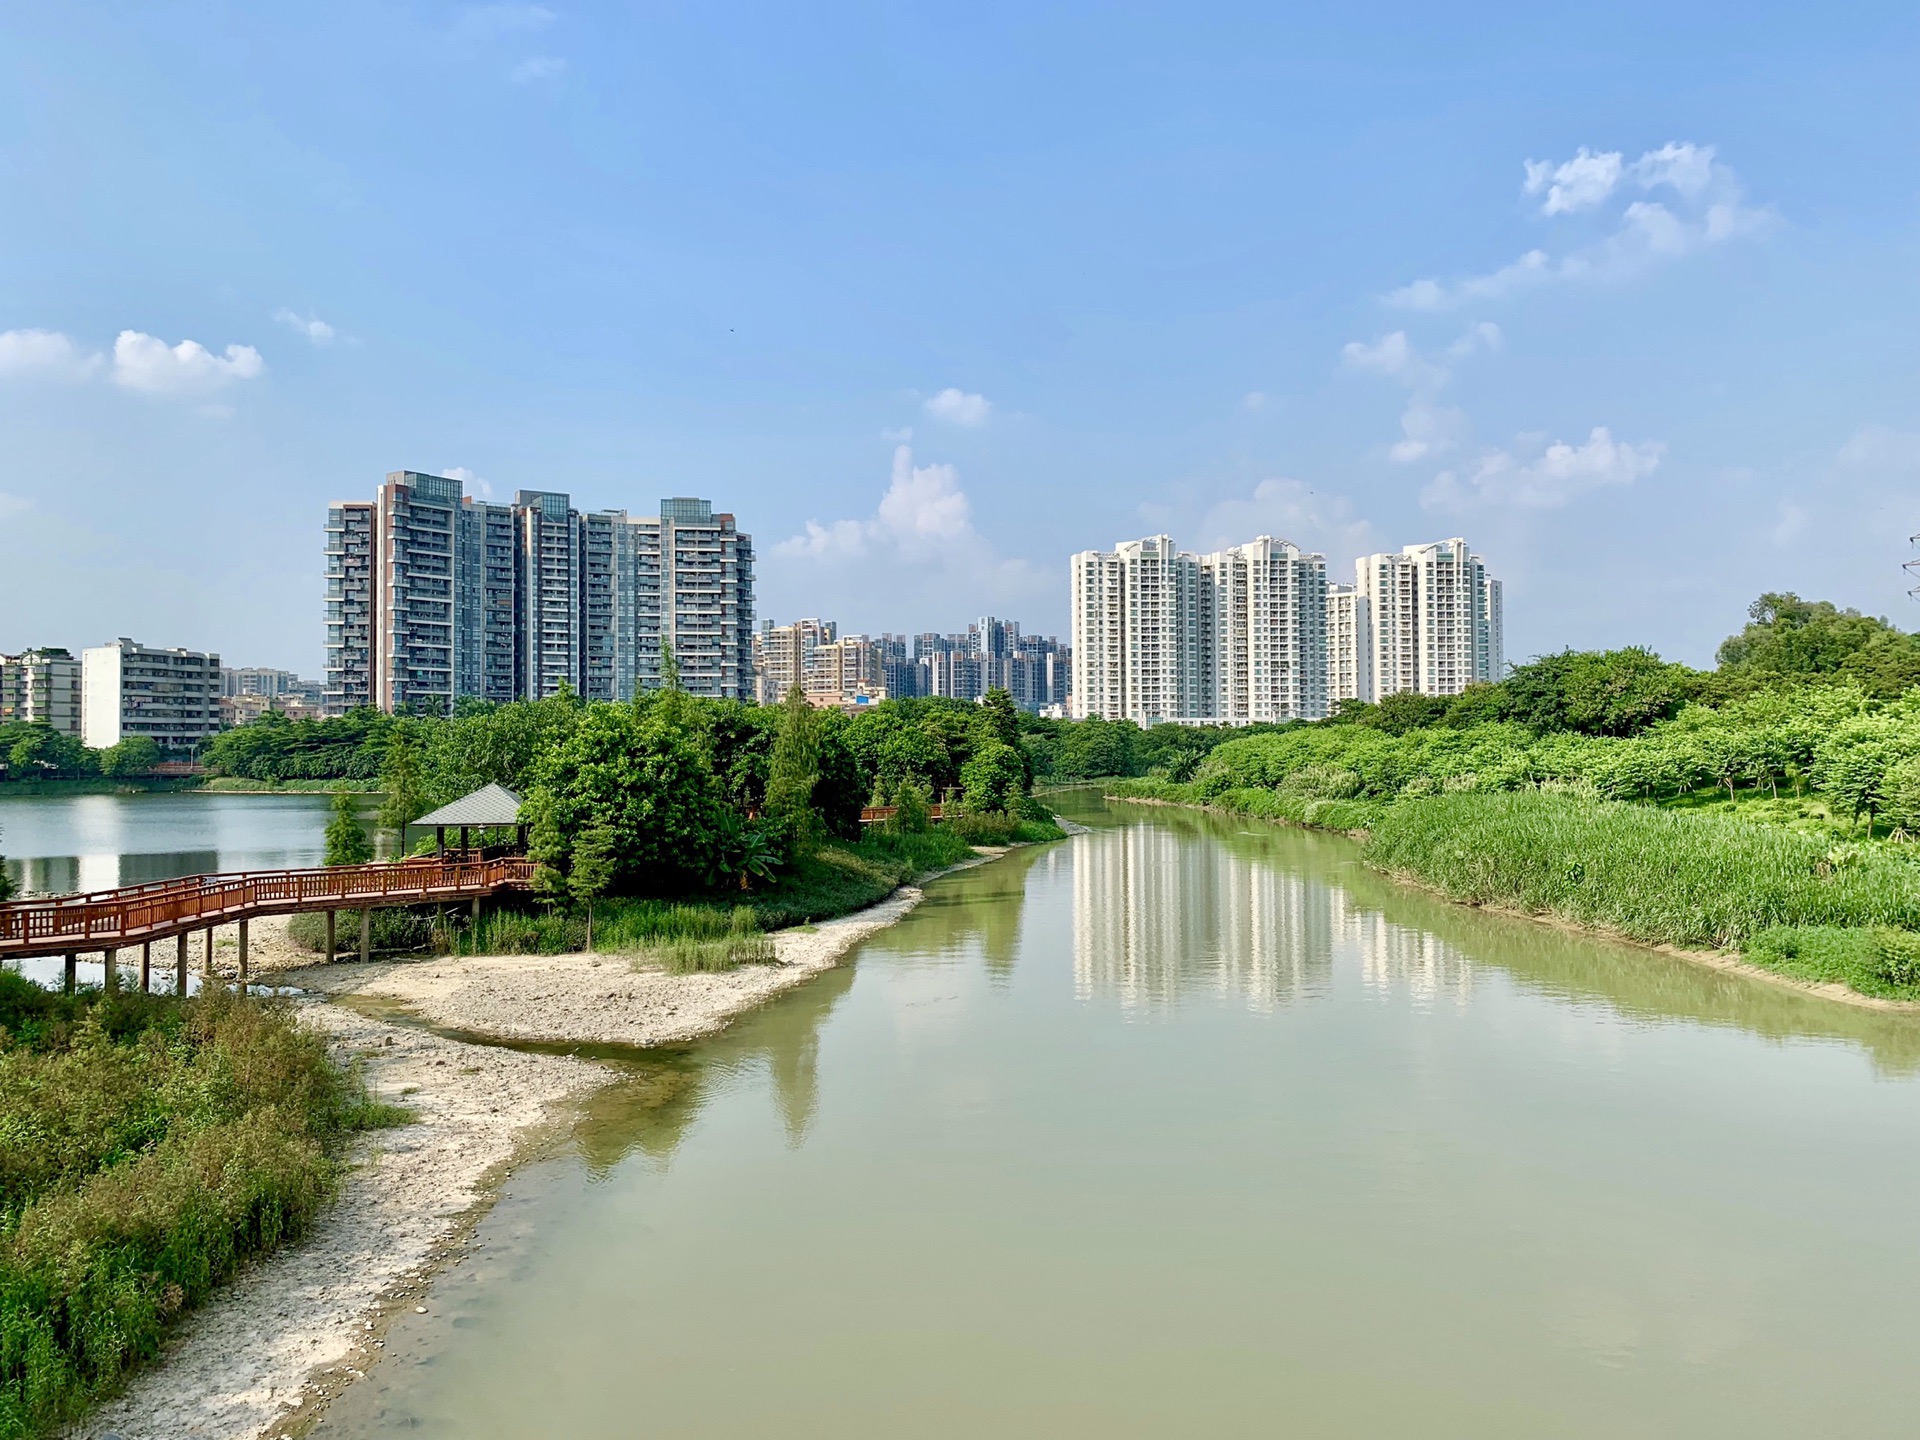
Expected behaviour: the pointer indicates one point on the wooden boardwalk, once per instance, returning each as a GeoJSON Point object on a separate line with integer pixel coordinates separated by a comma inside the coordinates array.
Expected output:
{"type": "Point", "coordinates": [108, 920]}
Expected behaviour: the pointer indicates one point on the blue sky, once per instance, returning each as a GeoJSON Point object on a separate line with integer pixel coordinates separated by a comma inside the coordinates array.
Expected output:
{"type": "Point", "coordinates": [932, 298]}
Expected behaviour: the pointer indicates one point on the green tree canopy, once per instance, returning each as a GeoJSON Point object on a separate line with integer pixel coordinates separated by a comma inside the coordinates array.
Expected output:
{"type": "Point", "coordinates": [1593, 692]}
{"type": "Point", "coordinates": [1786, 635]}
{"type": "Point", "coordinates": [793, 771]}
{"type": "Point", "coordinates": [347, 842]}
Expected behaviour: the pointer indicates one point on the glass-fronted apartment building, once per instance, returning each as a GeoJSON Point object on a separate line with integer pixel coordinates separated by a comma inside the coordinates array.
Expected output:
{"type": "Point", "coordinates": [434, 596]}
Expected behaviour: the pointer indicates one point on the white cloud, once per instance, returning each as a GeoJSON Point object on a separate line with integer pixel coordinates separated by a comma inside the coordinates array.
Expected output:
{"type": "Point", "coordinates": [957, 407]}
{"type": "Point", "coordinates": [143, 362]}
{"type": "Point", "coordinates": [44, 354]}
{"type": "Point", "coordinates": [1575, 184]}
{"type": "Point", "coordinates": [312, 326]}
{"type": "Point", "coordinates": [1535, 476]}
{"type": "Point", "coordinates": [13, 504]}
{"type": "Point", "coordinates": [475, 486]}
{"type": "Point", "coordinates": [923, 510]}
{"type": "Point", "coordinates": [536, 68]}
{"type": "Point", "coordinates": [1427, 427]}
{"type": "Point", "coordinates": [1290, 510]}
{"type": "Point", "coordinates": [1708, 208]}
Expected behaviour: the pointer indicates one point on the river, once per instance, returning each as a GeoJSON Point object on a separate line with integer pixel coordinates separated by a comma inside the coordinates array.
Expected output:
{"type": "Point", "coordinates": [1194, 1127]}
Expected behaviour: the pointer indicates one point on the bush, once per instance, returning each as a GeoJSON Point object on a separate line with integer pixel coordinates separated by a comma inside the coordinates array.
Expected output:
{"type": "Point", "coordinates": [394, 931]}
{"type": "Point", "coordinates": [146, 1150]}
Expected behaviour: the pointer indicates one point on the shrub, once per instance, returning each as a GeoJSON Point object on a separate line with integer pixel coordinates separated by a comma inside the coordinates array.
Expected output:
{"type": "Point", "coordinates": [1874, 959]}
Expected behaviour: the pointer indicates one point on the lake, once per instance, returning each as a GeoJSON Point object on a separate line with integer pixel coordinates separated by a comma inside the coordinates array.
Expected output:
{"type": "Point", "coordinates": [1189, 1126]}
{"type": "Point", "coordinates": [58, 844]}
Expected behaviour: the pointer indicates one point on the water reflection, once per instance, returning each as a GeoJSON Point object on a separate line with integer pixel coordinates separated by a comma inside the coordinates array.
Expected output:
{"type": "Point", "coordinates": [1132, 939]}
{"type": "Point", "coordinates": [665, 1090]}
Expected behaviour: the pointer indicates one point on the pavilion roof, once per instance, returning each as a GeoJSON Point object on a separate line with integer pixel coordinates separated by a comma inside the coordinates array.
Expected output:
{"type": "Point", "coordinates": [489, 805]}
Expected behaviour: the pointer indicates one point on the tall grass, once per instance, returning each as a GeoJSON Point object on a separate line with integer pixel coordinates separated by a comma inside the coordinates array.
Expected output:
{"type": "Point", "coordinates": [146, 1150]}
{"type": "Point", "coordinates": [1652, 875]}
{"type": "Point", "coordinates": [1346, 815]}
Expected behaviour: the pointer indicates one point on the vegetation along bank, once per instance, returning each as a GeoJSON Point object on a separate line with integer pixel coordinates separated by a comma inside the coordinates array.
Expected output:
{"type": "Point", "coordinates": [1768, 808]}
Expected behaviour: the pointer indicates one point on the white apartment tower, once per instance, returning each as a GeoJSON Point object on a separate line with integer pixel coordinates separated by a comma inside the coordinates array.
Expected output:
{"type": "Point", "coordinates": [1349, 645]}
{"type": "Point", "coordinates": [128, 689]}
{"type": "Point", "coordinates": [1233, 637]}
{"type": "Point", "coordinates": [1433, 622]}
{"type": "Point", "coordinates": [1264, 632]}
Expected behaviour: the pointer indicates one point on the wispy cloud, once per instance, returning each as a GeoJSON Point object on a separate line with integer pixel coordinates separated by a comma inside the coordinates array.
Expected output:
{"type": "Point", "coordinates": [1427, 428]}
{"type": "Point", "coordinates": [1534, 475]}
{"type": "Point", "coordinates": [316, 330]}
{"type": "Point", "coordinates": [476, 486]}
{"type": "Point", "coordinates": [1696, 203]}
{"type": "Point", "coordinates": [923, 509]}
{"type": "Point", "coordinates": [537, 68]}
{"type": "Point", "coordinates": [957, 407]}
{"type": "Point", "coordinates": [13, 505]}
{"type": "Point", "coordinates": [1288, 509]}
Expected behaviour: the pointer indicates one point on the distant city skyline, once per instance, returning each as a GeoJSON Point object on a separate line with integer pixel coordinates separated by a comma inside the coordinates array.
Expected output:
{"type": "Point", "coordinates": [936, 306]}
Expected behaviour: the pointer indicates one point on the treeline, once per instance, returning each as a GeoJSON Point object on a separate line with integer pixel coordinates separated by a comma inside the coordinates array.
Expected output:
{"type": "Point", "coordinates": [39, 752]}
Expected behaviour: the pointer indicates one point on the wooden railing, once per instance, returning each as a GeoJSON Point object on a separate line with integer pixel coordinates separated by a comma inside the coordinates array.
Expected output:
{"type": "Point", "coordinates": [107, 919]}
{"type": "Point", "coordinates": [875, 814]}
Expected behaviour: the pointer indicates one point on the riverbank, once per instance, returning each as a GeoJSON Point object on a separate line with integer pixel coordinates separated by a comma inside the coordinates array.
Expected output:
{"type": "Point", "coordinates": [101, 785]}
{"type": "Point", "coordinates": [263, 1358]}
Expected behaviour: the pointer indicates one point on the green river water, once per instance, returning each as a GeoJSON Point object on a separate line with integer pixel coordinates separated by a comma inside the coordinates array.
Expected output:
{"type": "Point", "coordinates": [1188, 1127]}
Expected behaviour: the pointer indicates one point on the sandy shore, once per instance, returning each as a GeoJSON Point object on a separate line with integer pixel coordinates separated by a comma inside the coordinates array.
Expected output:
{"type": "Point", "coordinates": [264, 1357]}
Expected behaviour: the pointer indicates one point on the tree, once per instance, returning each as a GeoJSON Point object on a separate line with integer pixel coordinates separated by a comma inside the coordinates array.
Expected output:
{"type": "Point", "coordinates": [1406, 710]}
{"type": "Point", "coordinates": [1786, 635]}
{"type": "Point", "coordinates": [912, 809]}
{"type": "Point", "coordinates": [400, 778]}
{"type": "Point", "coordinates": [135, 755]}
{"type": "Point", "coordinates": [992, 780]}
{"type": "Point", "coordinates": [546, 844]}
{"type": "Point", "coordinates": [6, 881]}
{"type": "Point", "coordinates": [347, 842]}
{"type": "Point", "coordinates": [793, 772]}
{"type": "Point", "coordinates": [592, 872]}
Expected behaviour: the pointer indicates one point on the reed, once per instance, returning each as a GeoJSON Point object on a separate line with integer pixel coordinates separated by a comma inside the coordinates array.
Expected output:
{"type": "Point", "coordinates": [1646, 873]}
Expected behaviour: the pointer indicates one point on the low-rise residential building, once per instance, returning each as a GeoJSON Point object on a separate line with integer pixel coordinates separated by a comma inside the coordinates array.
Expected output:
{"type": "Point", "coordinates": [171, 697]}
{"type": "Point", "coordinates": [41, 687]}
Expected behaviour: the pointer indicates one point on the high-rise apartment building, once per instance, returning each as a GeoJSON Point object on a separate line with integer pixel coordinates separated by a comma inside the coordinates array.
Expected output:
{"type": "Point", "coordinates": [1434, 621]}
{"type": "Point", "coordinates": [433, 596]}
{"type": "Point", "coordinates": [171, 697]}
{"type": "Point", "coordinates": [780, 655]}
{"type": "Point", "coordinates": [1163, 635]}
{"type": "Point", "coordinates": [1349, 646]}
{"type": "Point", "coordinates": [41, 687]}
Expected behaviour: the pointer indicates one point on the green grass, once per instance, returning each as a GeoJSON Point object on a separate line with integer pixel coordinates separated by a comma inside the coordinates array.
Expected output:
{"type": "Point", "coordinates": [1873, 959]}
{"type": "Point", "coordinates": [1654, 875]}
{"type": "Point", "coordinates": [241, 785]}
{"type": "Point", "coordinates": [148, 1147]}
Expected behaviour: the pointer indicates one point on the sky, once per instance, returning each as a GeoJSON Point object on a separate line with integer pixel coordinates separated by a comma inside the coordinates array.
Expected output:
{"type": "Point", "coordinates": [933, 297]}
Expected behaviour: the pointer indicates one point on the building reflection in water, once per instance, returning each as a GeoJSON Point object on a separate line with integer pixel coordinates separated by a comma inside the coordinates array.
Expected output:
{"type": "Point", "coordinates": [1158, 915]}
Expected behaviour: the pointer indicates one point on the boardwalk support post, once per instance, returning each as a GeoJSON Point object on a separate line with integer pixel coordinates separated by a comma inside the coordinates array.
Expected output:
{"type": "Point", "coordinates": [331, 915]}
{"type": "Point", "coordinates": [366, 935]}
{"type": "Point", "coordinates": [180, 965]}
{"type": "Point", "coordinates": [206, 963]}
{"type": "Point", "coordinates": [243, 957]}
{"type": "Point", "coordinates": [110, 963]}
{"type": "Point", "coordinates": [146, 967]}
{"type": "Point", "coordinates": [72, 972]}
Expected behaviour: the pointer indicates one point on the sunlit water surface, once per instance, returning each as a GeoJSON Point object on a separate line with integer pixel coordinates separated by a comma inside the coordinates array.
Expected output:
{"type": "Point", "coordinates": [1189, 1128]}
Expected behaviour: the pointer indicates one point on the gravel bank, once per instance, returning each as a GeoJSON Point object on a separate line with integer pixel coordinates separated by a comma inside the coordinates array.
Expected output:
{"type": "Point", "coordinates": [267, 1354]}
